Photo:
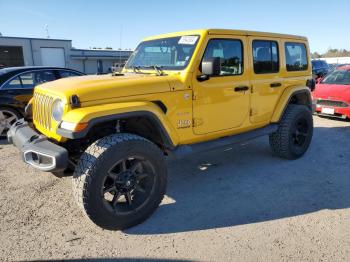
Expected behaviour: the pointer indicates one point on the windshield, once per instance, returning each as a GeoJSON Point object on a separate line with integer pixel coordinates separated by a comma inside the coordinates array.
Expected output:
{"type": "Point", "coordinates": [340, 77]}
{"type": "Point", "coordinates": [172, 53]}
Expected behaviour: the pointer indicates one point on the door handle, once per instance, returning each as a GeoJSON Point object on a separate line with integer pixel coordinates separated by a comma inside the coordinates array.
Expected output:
{"type": "Point", "coordinates": [275, 84]}
{"type": "Point", "coordinates": [241, 88]}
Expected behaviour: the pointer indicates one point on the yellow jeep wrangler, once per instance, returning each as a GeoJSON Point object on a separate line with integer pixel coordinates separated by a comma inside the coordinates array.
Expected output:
{"type": "Point", "coordinates": [178, 94]}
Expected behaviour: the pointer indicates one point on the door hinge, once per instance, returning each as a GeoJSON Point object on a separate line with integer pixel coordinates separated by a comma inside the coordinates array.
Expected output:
{"type": "Point", "coordinates": [194, 97]}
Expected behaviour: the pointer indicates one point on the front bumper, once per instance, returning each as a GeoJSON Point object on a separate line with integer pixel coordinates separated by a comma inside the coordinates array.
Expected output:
{"type": "Point", "coordinates": [36, 149]}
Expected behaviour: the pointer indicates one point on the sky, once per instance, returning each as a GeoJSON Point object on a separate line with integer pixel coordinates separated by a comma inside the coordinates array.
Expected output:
{"type": "Point", "coordinates": [108, 23]}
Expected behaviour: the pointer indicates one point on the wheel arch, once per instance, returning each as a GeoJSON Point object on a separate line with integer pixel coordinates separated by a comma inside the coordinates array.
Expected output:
{"type": "Point", "coordinates": [297, 95]}
{"type": "Point", "coordinates": [143, 123]}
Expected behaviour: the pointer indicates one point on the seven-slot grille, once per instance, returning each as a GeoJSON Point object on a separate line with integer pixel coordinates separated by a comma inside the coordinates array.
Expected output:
{"type": "Point", "coordinates": [42, 110]}
{"type": "Point", "coordinates": [333, 103]}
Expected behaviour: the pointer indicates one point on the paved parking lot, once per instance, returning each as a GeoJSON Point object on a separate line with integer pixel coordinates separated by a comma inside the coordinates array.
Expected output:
{"type": "Point", "coordinates": [233, 205]}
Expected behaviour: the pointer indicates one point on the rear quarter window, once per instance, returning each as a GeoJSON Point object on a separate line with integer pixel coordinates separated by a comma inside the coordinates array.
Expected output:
{"type": "Point", "coordinates": [296, 56]}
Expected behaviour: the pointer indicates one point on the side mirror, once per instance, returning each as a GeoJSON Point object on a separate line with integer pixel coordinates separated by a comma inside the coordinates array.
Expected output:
{"type": "Point", "coordinates": [210, 67]}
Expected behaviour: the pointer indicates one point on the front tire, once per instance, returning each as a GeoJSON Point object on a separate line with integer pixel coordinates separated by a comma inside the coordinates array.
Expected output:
{"type": "Point", "coordinates": [120, 180]}
{"type": "Point", "coordinates": [294, 133]}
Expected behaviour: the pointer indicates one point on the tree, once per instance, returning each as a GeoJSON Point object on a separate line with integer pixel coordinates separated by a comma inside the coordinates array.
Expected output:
{"type": "Point", "coordinates": [332, 52]}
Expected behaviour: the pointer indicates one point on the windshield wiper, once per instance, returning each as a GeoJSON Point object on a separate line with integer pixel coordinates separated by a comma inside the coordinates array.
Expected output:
{"type": "Point", "coordinates": [158, 69]}
{"type": "Point", "coordinates": [136, 69]}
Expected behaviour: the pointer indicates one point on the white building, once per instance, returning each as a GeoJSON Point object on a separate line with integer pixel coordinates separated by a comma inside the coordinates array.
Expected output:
{"type": "Point", "coordinates": [337, 60]}
{"type": "Point", "coordinates": [23, 51]}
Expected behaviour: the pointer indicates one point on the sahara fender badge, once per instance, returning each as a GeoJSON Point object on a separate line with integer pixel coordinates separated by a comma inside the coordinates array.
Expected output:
{"type": "Point", "coordinates": [183, 123]}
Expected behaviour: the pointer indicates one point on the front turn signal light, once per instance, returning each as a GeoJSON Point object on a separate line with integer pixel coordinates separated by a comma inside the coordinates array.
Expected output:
{"type": "Point", "coordinates": [75, 127]}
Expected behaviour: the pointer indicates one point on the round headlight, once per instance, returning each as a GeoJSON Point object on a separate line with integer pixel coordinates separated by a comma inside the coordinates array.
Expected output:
{"type": "Point", "coordinates": [57, 110]}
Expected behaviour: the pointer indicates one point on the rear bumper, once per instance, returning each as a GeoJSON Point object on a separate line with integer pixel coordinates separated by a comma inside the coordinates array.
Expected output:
{"type": "Point", "coordinates": [36, 149]}
{"type": "Point", "coordinates": [339, 112]}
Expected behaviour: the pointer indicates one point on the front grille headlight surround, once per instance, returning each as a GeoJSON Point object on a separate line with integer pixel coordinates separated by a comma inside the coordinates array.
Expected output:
{"type": "Point", "coordinates": [57, 110]}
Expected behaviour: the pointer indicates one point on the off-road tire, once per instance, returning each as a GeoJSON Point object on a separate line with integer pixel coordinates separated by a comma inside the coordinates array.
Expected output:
{"type": "Point", "coordinates": [91, 169]}
{"type": "Point", "coordinates": [281, 141]}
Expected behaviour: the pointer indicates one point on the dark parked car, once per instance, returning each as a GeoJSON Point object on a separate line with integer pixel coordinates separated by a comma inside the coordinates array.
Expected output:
{"type": "Point", "coordinates": [320, 68]}
{"type": "Point", "coordinates": [16, 89]}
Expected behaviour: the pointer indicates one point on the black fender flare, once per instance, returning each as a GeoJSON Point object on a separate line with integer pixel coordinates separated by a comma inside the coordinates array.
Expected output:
{"type": "Point", "coordinates": [81, 134]}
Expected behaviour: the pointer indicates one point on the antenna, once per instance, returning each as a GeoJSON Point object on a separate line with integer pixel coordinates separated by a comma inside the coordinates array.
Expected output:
{"type": "Point", "coordinates": [47, 31]}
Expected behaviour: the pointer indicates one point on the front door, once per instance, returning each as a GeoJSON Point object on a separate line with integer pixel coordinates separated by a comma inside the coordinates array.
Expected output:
{"type": "Point", "coordinates": [222, 102]}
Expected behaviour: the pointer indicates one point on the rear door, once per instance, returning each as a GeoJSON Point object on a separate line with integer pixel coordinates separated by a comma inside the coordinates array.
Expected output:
{"type": "Point", "coordinates": [266, 80]}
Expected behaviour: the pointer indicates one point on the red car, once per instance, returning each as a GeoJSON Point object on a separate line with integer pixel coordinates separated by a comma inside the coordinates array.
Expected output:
{"type": "Point", "coordinates": [332, 94]}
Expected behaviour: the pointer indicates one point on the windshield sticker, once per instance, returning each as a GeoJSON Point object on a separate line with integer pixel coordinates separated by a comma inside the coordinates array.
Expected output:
{"type": "Point", "coordinates": [188, 39]}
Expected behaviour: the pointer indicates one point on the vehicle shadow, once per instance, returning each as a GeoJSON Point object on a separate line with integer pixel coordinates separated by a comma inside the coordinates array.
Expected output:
{"type": "Point", "coordinates": [246, 184]}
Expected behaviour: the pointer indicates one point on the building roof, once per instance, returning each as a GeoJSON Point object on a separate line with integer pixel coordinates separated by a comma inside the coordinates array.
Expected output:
{"type": "Point", "coordinates": [34, 38]}
{"type": "Point", "coordinates": [65, 40]}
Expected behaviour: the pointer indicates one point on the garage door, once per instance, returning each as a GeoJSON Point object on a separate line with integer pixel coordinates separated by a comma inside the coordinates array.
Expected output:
{"type": "Point", "coordinates": [11, 56]}
{"type": "Point", "coordinates": [52, 57]}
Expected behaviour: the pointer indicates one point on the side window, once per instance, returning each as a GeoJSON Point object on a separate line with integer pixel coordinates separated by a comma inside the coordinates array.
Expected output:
{"type": "Point", "coordinates": [43, 77]}
{"type": "Point", "coordinates": [265, 57]}
{"type": "Point", "coordinates": [66, 73]}
{"type": "Point", "coordinates": [296, 56]}
{"type": "Point", "coordinates": [13, 84]}
{"type": "Point", "coordinates": [230, 53]}
{"type": "Point", "coordinates": [28, 80]}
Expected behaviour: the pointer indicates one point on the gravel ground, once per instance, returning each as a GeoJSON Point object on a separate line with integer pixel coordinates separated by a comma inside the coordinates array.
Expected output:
{"type": "Point", "coordinates": [241, 204]}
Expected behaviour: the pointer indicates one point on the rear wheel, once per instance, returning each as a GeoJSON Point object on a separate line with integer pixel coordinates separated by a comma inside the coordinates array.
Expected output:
{"type": "Point", "coordinates": [294, 133]}
{"type": "Point", "coordinates": [8, 117]}
{"type": "Point", "coordinates": [120, 180]}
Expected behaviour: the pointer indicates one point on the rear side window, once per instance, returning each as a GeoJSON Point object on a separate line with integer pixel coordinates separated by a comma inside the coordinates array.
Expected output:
{"type": "Point", "coordinates": [67, 73]}
{"type": "Point", "coordinates": [230, 52]}
{"type": "Point", "coordinates": [30, 80]}
{"type": "Point", "coordinates": [41, 77]}
{"type": "Point", "coordinates": [265, 57]}
{"type": "Point", "coordinates": [296, 56]}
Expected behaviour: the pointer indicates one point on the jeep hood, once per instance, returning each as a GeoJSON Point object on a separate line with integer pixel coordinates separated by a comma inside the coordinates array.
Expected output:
{"type": "Point", "coordinates": [93, 87]}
